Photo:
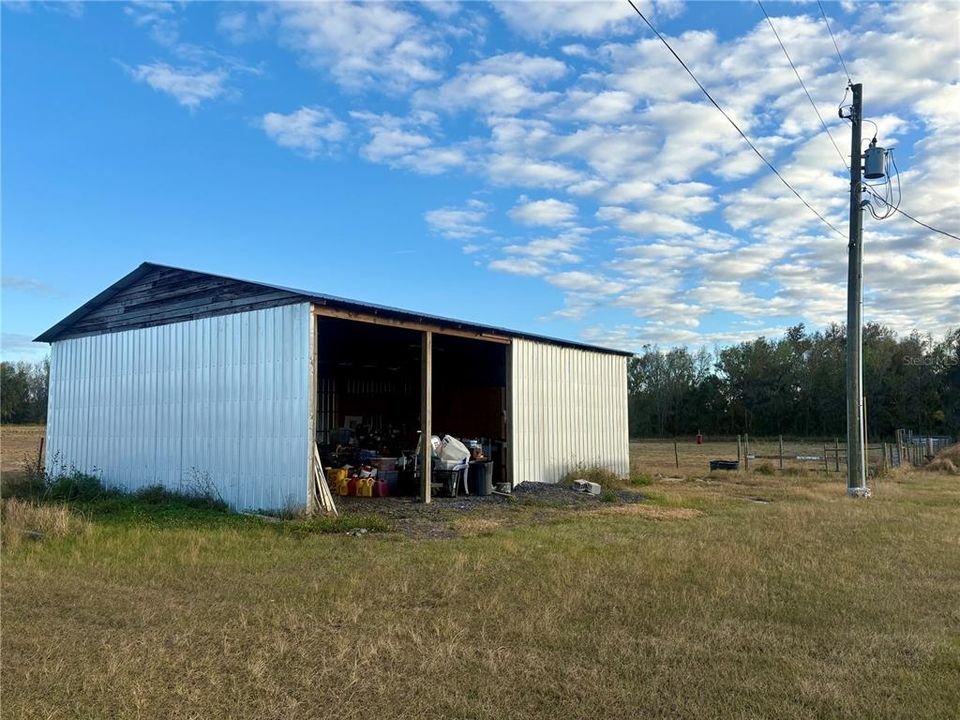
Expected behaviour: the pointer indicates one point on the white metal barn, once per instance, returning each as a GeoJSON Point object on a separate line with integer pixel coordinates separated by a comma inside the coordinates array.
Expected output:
{"type": "Point", "coordinates": [175, 377]}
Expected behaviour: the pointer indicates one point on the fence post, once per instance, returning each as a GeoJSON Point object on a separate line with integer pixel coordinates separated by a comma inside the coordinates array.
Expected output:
{"type": "Point", "coordinates": [676, 454]}
{"type": "Point", "coordinates": [781, 452]}
{"type": "Point", "coordinates": [746, 451]}
{"type": "Point", "coordinates": [739, 452]}
{"type": "Point", "coordinates": [836, 449]}
{"type": "Point", "coordinates": [826, 465]}
{"type": "Point", "coordinates": [40, 455]}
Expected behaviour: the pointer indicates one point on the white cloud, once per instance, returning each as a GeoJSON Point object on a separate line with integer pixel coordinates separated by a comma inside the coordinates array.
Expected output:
{"type": "Point", "coordinates": [240, 26]}
{"type": "Point", "coordinates": [362, 44]}
{"type": "Point", "coordinates": [646, 223]}
{"type": "Point", "coordinates": [311, 131]}
{"type": "Point", "coordinates": [188, 86]}
{"type": "Point", "coordinates": [543, 212]}
{"type": "Point", "coordinates": [26, 285]}
{"type": "Point", "coordinates": [501, 84]}
{"type": "Point", "coordinates": [459, 223]}
{"type": "Point", "coordinates": [579, 281]}
{"type": "Point", "coordinates": [158, 17]}
{"type": "Point", "coordinates": [566, 17]}
{"type": "Point", "coordinates": [519, 170]}
{"type": "Point", "coordinates": [16, 347]}
{"type": "Point", "coordinates": [519, 266]}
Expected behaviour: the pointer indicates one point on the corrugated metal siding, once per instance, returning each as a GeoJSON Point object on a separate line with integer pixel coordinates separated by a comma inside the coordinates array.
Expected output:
{"type": "Point", "coordinates": [222, 400]}
{"type": "Point", "coordinates": [569, 407]}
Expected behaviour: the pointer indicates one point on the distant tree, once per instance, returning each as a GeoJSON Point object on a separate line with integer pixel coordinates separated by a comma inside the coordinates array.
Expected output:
{"type": "Point", "coordinates": [23, 391]}
{"type": "Point", "coordinates": [796, 385]}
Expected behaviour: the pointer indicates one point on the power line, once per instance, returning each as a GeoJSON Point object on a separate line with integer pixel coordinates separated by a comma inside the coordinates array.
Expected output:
{"type": "Point", "coordinates": [734, 124]}
{"type": "Point", "coordinates": [836, 47]}
{"type": "Point", "coordinates": [911, 217]}
{"type": "Point", "coordinates": [796, 72]}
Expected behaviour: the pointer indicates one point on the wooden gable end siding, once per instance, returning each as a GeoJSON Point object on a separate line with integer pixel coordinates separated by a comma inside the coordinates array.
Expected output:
{"type": "Point", "coordinates": [167, 295]}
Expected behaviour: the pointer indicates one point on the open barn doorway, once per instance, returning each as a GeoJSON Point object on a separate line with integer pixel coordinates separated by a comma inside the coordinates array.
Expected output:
{"type": "Point", "coordinates": [369, 404]}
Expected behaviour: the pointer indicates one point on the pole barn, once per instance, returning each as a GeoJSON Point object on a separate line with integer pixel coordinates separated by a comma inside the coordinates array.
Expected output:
{"type": "Point", "coordinates": [196, 381]}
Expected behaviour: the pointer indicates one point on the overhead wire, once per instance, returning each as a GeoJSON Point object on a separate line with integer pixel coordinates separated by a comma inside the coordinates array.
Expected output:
{"type": "Point", "coordinates": [910, 217]}
{"type": "Point", "coordinates": [894, 208]}
{"type": "Point", "coordinates": [733, 123]}
{"type": "Point", "coordinates": [796, 72]}
{"type": "Point", "coordinates": [836, 47]}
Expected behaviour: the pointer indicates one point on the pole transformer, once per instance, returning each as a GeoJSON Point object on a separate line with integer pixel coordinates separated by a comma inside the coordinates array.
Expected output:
{"type": "Point", "coordinates": [856, 456]}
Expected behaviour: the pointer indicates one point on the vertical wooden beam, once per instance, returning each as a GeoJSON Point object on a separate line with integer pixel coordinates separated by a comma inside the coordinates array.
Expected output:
{"type": "Point", "coordinates": [781, 452]}
{"type": "Point", "coordinates": [426, 413]}
{"type": "Point", "coordinates": [507, 455]}
{"type": "Point", "coordinates": [312, 410]}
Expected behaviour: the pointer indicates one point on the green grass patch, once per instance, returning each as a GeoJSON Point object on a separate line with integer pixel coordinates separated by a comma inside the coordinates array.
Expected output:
{"type": "Point", "coordinates": [346, 522]}
{"type": "Point", "coordinates": [642, 479]}
{"type": "Point", "coordinates": [811, 605]}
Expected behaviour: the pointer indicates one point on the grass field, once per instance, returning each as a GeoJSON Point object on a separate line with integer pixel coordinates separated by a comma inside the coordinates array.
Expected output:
{"type": "Point", "coordinates": [19, 443]}
{"type": "Point", "coordinates": [746, 597]}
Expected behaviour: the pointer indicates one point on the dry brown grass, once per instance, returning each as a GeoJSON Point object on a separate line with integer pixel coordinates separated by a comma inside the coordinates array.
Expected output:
{"type": "Point", "coordinates": [951, 453]}
{"type": "Point", "coordinates": [807, 604]}
{"type": "Point", "coordinates": [651, 512]}
{"type": "Point", "coordinates": [23, 521]}
{"type": "Point", "coordinates": [19, 444]}
{"type": "Point", "coordinates": [735, 596]}
{"type": "Point", "coordinates": [942, 465]}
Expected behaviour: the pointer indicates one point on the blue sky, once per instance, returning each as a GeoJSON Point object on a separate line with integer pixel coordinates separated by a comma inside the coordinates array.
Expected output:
{"type": "Point", "coordinates": [543, 166]}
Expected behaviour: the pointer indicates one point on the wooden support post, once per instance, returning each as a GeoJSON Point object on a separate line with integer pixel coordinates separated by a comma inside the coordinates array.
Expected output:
{"type": "Point", "coordinates": [426, 413]}
{"type": "Point", "coordinates": [746, 451]}
{"type": "Point", "coordinates": [40, 456]}
{"type": "Point", "coordinates": [884, 461]}
{"type": "Point", "coordinates": [739, 452]}
{"type": "Point", "coordinates": [826, 464]}
{"type": "Point", "coordinates": [781, 452]}
{"type": "Point", "coordinates": [676, 454]}
{"type": "Point", "coordinates": [836, 450]}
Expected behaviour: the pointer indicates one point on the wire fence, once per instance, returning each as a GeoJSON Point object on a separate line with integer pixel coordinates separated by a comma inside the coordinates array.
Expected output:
{"type": "Point", "coordinates": [686, 456]}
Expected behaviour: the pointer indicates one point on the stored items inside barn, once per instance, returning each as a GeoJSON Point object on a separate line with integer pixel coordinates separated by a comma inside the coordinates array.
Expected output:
{"type": "Point", "coordinates": [192, 380]}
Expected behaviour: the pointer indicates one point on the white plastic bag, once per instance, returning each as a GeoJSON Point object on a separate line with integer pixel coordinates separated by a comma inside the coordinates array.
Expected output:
{"type": "Point", "coordinates": [453, 449]}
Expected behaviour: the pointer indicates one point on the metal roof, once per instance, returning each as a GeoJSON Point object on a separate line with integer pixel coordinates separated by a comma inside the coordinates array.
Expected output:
{"type": "Point", "coordinates": [53, 334]}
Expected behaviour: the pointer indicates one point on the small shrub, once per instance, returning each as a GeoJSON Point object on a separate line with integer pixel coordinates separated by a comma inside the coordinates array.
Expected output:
{"type": "Point", "coordinates": [191, 498]}
{"type": "Point", "coordinates": [22, 520]}
{"type": "Point", "coordinates": [942, 465]}
{"type": "Point", "coordinates": [593, 473]}
{"type": "Point", "coordinates": [764, 468]}
{"type": "Point", "coordinates": [77, 487]}
{"type": "Point", "coordinates": [641, 479]}
{"type": "Point", "coordinates": [951, 453]}
{"type": "Point", "coordinates": [24, 484]}
{"type": "Point", "coordinates": [608, 496]}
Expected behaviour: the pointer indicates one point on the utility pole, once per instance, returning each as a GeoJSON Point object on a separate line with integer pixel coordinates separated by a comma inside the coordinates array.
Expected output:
{"type": "Point", "coordinates": [856, 461]}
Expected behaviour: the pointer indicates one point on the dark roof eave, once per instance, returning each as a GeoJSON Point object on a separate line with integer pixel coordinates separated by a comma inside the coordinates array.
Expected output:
{"type": "Point", "coordinates": [55, 332]}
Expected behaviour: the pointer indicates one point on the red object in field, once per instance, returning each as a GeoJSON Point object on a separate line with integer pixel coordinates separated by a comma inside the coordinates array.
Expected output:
{"type": "Point", "coordinates": [699, 439]}
{"type": "Point", "coordinates": [352, 487]}
{"type": "Point", "coordinates": [380, 488]}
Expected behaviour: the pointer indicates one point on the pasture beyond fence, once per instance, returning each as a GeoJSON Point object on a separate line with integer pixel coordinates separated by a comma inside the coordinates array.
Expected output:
{"type": "Point", "coordinates": [687, 456]}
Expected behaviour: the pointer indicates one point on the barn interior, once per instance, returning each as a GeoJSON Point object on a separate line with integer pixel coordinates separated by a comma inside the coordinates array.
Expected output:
{"type": "Point", "coordinates": [369, 402]}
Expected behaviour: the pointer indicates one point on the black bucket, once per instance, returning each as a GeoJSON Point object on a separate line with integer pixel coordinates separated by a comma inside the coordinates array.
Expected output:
{"type": "Point", "coordinates": [481, 477]}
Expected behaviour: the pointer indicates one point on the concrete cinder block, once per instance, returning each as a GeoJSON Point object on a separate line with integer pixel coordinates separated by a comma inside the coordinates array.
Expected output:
{"type": "Point", "coordinates": [585, 486]}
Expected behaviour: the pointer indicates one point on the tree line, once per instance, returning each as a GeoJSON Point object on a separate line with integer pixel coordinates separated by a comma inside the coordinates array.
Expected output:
{"type": "Point", "coordinates": [793, 385]}
{"type": "Point", "coordinates": [796, 385]}
{"type": "Point", "coordinates": [23, 391]}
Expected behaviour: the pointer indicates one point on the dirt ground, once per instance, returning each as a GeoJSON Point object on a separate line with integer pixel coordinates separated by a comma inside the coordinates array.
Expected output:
{"type": "Point", "coordinates": [472, 514]}
{"type": "Point", "coordinates": [19, 444]}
